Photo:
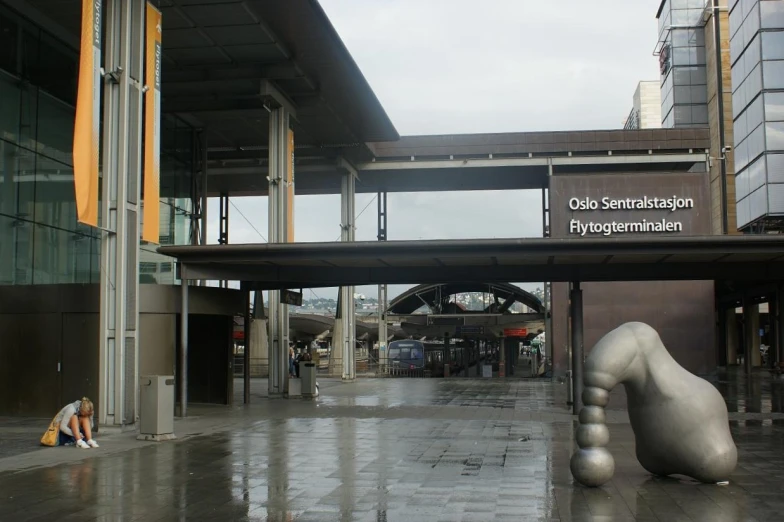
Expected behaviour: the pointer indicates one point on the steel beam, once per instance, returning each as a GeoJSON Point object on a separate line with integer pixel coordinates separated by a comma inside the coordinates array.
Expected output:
{"type": "Point", "coordinates": [278, 317]}
{"type": "Point", "coordinates": [347, 314]}
{"type": "Point", "coordinates": [122, 149]}
{"type": "Point", "coordinates": [525, 161]}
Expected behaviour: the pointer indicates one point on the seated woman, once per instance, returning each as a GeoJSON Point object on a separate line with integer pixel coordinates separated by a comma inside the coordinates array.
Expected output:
{"type": "Point", "coordinates": [76, 424]}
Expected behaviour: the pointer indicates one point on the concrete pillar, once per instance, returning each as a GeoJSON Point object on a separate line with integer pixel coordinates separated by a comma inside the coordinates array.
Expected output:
{"type": "Point", "coordinates": [118, 380]}
{"type": "Point", "coordinates": [336, 353]}
{"type": "Point", "coordinates": [731, 325]}
{"type": "Point", "coordinates": [347, 312]}
{"type": "Point", "coordinates": [756, 355]}
{"type": "Point", "coordinates": [281, 202]}
{"type": "Point", "coordinates": [259, 349]}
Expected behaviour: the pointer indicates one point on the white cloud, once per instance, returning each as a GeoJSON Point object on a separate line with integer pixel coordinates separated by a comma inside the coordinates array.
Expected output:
{"type": "Point", "coordinates": [461, 66]}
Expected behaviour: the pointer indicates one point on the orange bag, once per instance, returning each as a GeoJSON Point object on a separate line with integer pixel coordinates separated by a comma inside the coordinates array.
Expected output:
{"type": "Point", "coordinates": [52, 435]}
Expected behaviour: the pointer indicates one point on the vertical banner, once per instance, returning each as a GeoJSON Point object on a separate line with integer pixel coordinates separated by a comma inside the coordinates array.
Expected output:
{"type": "Point", "coordinates": [152, 127]}
{"type": "Point", "coordinates": [290, 187]}
{"type": "Point", "coordinates": [87, 127]}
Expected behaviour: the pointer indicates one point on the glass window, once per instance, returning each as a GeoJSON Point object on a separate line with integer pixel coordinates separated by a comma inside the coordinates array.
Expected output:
{"type": "Point", "coordinates": [772, 14]}
{"type": "Point", "coordinates": [16, 256]}
{"type": "Point", "coordinates": [55, 129]}
{"type": "Point", "coordinates": [740, 130]}
{"type": "Point", "coordinates": [754, 114]}
{"type": "Point", "coordinates": [756, 143]}
{"type": "Point", "coordinates": [54, 194]}
{"type": "Point", "coordinates": [742, 185]}
{"type": "Point", "coordinates": [56, 71]}
{"type": "Point", "coordinates": [699, 114]}
{"type": "Point", "coordinates": [17, 173]}
{"type": "Point", "coordinates": [758, 203]}
{"type": "Point", "coordinates": [62, 256]}
{"type": "Point", "coordinates": [775, 168]}
{"type": "Point", "coordinates": [682, 115]}
{"type": "Point", "coordinates": [741, 156]}
{"type": "Point", "coordinates": [752, 55]}
{"type": "Point", "coordinates": [743, 213]}
{"type": "Point", "coordinates": [9, 109]}
{"type": "Point", "coordinates": [776, 199]}
{"type": "Point", "coordinates": [757, 174]}
{"type": "Point", "coordinates": [8, 42]}
{"type": "Point", "coordinates": [773, 74]}
{"type": "Point", "coordinates": [775, 135]}
{"type": "Point", "coordinates": [774, 106]}
{"type": "Point", "coordinates": [773, 45]}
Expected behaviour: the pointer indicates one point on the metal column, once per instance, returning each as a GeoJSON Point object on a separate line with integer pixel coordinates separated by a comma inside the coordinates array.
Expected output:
{"type": "Point", "coordinates": [548, 285]}
{"type": "Point", "coordinates": [223, 231]}
{"type": "Point", "coordinates": [748, 335]}
{"type": "Point", "coordinates": [577, 346]}
{"type": "Point", "coordinates": [223, 227]}
{"type": "Point", "coordinates": [347, 314]}
{"type": "Point", "coordinates": [204, 172]}
{"type": "Point", "coordinates": [382, 289]}
{"type": "Point", "coordinates": [122, 149]}
{"type": "Point", "coordinates": [184, 311]}
{"type": "Point", "coordinates": [278, 316]}
{"type": "Point", "coordinates": [246, 351]}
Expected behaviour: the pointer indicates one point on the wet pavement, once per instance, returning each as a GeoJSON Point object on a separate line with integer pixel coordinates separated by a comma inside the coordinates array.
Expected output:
{"type": "Point", "coordinates": [398, 449]}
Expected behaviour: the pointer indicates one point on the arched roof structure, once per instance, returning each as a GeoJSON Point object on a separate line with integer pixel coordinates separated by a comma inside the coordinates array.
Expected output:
{"type": "Point", "coordinates": [436, 296]}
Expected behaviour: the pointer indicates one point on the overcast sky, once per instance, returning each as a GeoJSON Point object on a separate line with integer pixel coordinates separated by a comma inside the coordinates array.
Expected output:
{"type": "Point", "coordinates": [462, 66]}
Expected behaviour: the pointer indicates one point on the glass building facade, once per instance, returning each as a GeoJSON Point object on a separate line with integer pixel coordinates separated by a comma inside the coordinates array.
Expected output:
{"type": "Point", "coordinates": [40, 240]}
{"type": "Point", "coordinates": [757, 50]}
{"type": "Point", "coordinates": [681, 50]}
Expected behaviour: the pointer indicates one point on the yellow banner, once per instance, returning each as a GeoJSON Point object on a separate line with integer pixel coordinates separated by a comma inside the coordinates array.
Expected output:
{"type": "Point", "coordinates": [290, 187]}
{"type": "Point", "coordinates": [152, 128]}
{"type": "Point", "coordinates": [87, 127]}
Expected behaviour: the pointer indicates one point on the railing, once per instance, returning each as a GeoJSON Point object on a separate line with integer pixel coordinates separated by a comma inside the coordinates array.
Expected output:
{"type": "Point", "coordinates": [408, 372]}
{"type": "Point", "coordinates": [259, 366]}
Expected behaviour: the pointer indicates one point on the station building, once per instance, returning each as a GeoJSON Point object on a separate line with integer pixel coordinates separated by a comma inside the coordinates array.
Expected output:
{"type": "Point", "coordinates": [253, 92]}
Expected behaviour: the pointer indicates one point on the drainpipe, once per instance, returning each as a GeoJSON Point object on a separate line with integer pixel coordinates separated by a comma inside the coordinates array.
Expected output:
{"type": "Point", "coordinates": [720, 102]}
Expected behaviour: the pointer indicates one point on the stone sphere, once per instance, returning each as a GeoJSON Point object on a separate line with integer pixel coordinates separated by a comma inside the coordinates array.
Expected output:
{"type": "Point", "coordinates": [592, 415]}
{"type": "Point", "coordinates": [592, 435]}
{"type": "Point", "coordinates": [592, 467]}
{"type": "Point", "coordinates": [593, 396]}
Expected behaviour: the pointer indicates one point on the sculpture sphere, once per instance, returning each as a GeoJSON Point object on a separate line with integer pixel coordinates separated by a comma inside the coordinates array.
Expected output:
{"type": "Point", "coordinates": [679, 420]}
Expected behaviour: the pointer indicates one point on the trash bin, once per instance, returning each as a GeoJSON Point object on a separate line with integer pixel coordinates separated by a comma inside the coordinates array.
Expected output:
{"type": "Point", "coordinates": [487, 371]}
{"type": "Point", "coordinates": [156, 408]}
{"type": "Point", "coordinates": [307, 372]}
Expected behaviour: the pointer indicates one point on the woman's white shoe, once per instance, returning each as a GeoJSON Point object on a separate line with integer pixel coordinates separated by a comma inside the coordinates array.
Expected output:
{"type": "Point", "coordinates": [81, 444]}
{"type": "Point", "coordinates": [92, 444]}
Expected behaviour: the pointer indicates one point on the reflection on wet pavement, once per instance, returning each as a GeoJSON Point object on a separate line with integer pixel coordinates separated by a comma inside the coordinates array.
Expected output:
{"type": "Point", "coordinates": [374, 450]}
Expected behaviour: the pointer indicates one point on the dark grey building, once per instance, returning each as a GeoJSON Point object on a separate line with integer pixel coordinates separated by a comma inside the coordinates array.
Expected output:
{"type": "Point", "coordinates": [757, 50]}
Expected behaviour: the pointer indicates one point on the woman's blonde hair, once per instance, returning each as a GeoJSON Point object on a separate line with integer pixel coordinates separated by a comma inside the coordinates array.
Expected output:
{"type": "Point", "coordinates": [86, 406]}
